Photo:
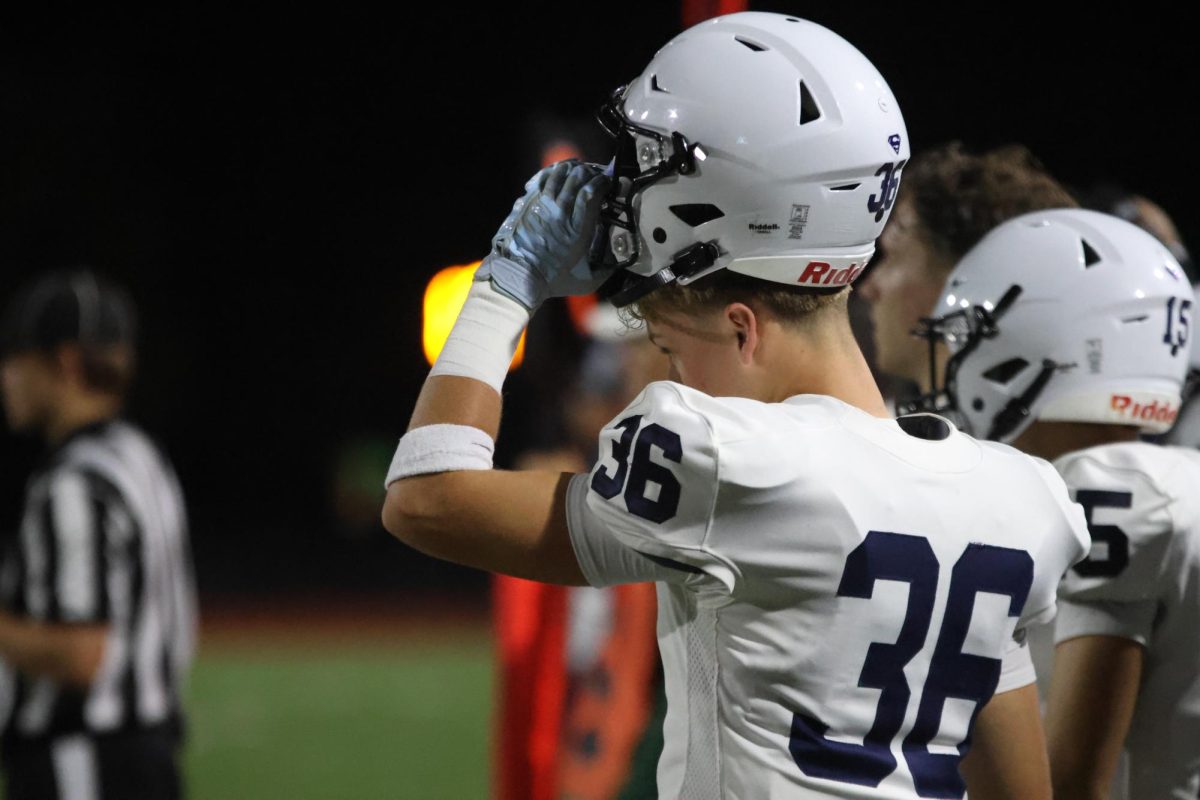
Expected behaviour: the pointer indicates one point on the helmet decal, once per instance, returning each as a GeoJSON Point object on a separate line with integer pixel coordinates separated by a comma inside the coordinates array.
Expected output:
{"type": "Point", "coordinates": [881, 204]}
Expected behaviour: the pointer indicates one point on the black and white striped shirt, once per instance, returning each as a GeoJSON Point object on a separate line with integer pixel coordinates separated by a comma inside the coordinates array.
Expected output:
{"type": "Point", "coordinates": [103, 540]}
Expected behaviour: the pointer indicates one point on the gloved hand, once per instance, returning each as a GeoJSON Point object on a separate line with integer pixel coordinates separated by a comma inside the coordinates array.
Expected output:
{"type": "Point", "coordinates": [541, 249]}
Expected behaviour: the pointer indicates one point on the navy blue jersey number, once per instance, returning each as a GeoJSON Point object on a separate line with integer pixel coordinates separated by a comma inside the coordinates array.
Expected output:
{"type": "Point", "coordinates": [643, 471]}
{"type": "Point", "coordinates": [952, 673]}
{"type": "Point", "coordinates": [880, 557]}
{"type": "Point", "coordinates": [609, 486]}
{"type": "Point", "coordinates": [1115, 541]}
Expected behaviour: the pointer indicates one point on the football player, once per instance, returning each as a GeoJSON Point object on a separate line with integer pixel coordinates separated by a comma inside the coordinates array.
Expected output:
{"type": "Point", "coordinates": [1069, 331]}
{"type": "Point", "coordinates": [842, 596]}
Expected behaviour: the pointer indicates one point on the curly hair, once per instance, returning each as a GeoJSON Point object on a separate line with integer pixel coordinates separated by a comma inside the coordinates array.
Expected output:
{"type": "Point", "coordinates": [960, 196]}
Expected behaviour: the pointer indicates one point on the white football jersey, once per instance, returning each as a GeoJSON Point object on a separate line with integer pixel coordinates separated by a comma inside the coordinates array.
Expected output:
{"type": "Point", "coordinates": [839, 594]}
{"type": "Point", "coordinates": [1141, 581]}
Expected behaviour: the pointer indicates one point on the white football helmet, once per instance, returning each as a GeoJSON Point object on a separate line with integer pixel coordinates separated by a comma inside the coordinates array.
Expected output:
{"type": "Point", "coordinates": [757, 142]}
{"type": "Point", "coordinates": [1064, 315]}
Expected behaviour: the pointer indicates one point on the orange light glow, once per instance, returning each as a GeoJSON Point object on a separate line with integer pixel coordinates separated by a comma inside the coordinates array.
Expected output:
{"type": "Point", "coordinates": [444, 297]}
{"type": "Point", "coordinates": [580, 306]}
{"type": "Point", "coordinates": [560, 150]}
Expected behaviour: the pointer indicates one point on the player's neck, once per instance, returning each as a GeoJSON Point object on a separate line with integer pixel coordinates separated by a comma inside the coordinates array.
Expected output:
{"type": "Point", "coordinates": [1050, 440]}
{"type": "Point", "coordinates": [830, 364]}
{"type": "Point", "coordinates": [79, 412]}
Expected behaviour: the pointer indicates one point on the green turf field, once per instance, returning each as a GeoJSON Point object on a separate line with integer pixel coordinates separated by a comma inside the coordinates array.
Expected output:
{"type": "Point", "coordinates": [344, 722]}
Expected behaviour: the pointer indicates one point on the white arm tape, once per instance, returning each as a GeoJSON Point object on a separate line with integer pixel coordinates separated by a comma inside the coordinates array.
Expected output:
{"type": "Point", "coordinates": [440, 448]}
{"type": "Point", "coordinates": [485, 337]}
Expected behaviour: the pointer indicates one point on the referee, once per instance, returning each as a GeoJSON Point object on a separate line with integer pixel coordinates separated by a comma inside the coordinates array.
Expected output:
{"type": "Point", "coordinates": [97, 608]}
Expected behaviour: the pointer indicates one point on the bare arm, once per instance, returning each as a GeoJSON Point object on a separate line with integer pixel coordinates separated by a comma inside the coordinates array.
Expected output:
{"type": "Point", "coordinates": [514, 523]}
{"type": "Point", "coordinates": [1007, 760]}
{"type": "Point", "coordinates": [1092, 697]}
{"type": "Point", "coordinates": [69, 654]}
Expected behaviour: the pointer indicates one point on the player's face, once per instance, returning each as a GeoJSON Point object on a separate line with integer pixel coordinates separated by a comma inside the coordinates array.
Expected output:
{"type": "Point", "coordinates": [702, 354]}
{"type": "Point", "coordinates": [902, 286]}
{"type": "Point", "coordinates": [28, 382]}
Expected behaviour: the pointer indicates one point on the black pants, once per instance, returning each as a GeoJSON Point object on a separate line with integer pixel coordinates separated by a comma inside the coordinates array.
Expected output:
{"type": "Point", "coordinates": [137, 765]}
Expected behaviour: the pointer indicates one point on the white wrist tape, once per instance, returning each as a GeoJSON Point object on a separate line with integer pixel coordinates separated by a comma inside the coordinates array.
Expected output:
{"type": "Point", "coordinates": [440, 448]}
{"type": "Point", "coordinates": [485, 337]}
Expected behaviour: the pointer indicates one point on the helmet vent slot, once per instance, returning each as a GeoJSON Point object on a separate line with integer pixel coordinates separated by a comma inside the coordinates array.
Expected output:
{"type": "Point", "coordinates": [1006, 371]}
{"type": "Point", "coordinates": [696, 214]}
{"type": "Point", "coordinates": [1134, 320]}
{"type": "Point", "coordinates": [655, 87]}
{"type": "Point", "coordinates": [755, 46]}
{"type": "Point", "coordinates": [845, 187]}
{"type": "Point", "coordinates": [809, 111]}
{"type": "Point", "coordinates": [1090, 257]}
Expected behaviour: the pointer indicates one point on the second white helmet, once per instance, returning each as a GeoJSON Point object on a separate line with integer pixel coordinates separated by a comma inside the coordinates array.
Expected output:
{"type": "Point", "coordinates": [1065, 315]}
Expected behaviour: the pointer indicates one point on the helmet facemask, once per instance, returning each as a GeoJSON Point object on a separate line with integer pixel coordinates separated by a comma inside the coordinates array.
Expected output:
{"type": "Point", "coordinates": [643, 157]}
{"type": "Point", "coordinates": [963, 331]}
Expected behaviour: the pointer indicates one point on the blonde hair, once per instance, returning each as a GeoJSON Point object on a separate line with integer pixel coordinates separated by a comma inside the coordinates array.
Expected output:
{"type": "Point", "coordinates": [795, 305]}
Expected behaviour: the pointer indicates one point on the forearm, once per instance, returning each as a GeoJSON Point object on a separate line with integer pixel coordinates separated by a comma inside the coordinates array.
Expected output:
{"type": "Point", "coordinates": [463, 389]}
{"type": "Point", "coordinates": [455, 400]}
{"type": "Point", "coordinates": [64, 653]}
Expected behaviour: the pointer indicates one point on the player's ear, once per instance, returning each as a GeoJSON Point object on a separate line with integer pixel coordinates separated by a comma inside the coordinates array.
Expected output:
{"type": "Point", "coordinates": [745, 325]}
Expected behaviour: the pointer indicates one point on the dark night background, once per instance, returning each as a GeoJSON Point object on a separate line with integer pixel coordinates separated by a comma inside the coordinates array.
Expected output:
{"type": "Point", "coordinates": [276, 190]}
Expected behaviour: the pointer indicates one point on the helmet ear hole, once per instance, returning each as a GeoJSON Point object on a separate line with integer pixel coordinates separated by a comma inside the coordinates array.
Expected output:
{"type": "Point", "coordinates": [977, 404]}
{"type": "Point", "coordinates": [659, 235]}
{"type": "Point", "coordinates": [1004, 372]}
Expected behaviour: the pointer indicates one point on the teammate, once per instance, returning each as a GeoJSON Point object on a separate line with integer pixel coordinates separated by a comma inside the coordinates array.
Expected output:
{"type": "Point", "coordinates": [842, 596]}
{"type": "Point", "coordinates": [951, 199]}
{"type": "Point", "coordinates": [96, 596]}
{"type": "Point", "coordinates": [1070, 332]}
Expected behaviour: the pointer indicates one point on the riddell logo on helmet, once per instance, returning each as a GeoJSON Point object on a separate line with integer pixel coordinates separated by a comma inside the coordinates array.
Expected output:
{"type": "Point", "coordinates": [822, 273]}
{"type": "Point", "coordinates": [1154, 412]}
{"type": "Point", "coordinates": [764, 227]}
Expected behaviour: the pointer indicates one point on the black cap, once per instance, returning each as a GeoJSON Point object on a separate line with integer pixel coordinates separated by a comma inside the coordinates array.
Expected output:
{"type": "Point", "coordinates": [67, 306]}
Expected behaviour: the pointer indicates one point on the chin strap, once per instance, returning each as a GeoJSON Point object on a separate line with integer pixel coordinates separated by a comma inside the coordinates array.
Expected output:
{"type": "Point", "coordinates": [627, 288]}
{"type": "Point", "coordinates": [1017, 409]}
